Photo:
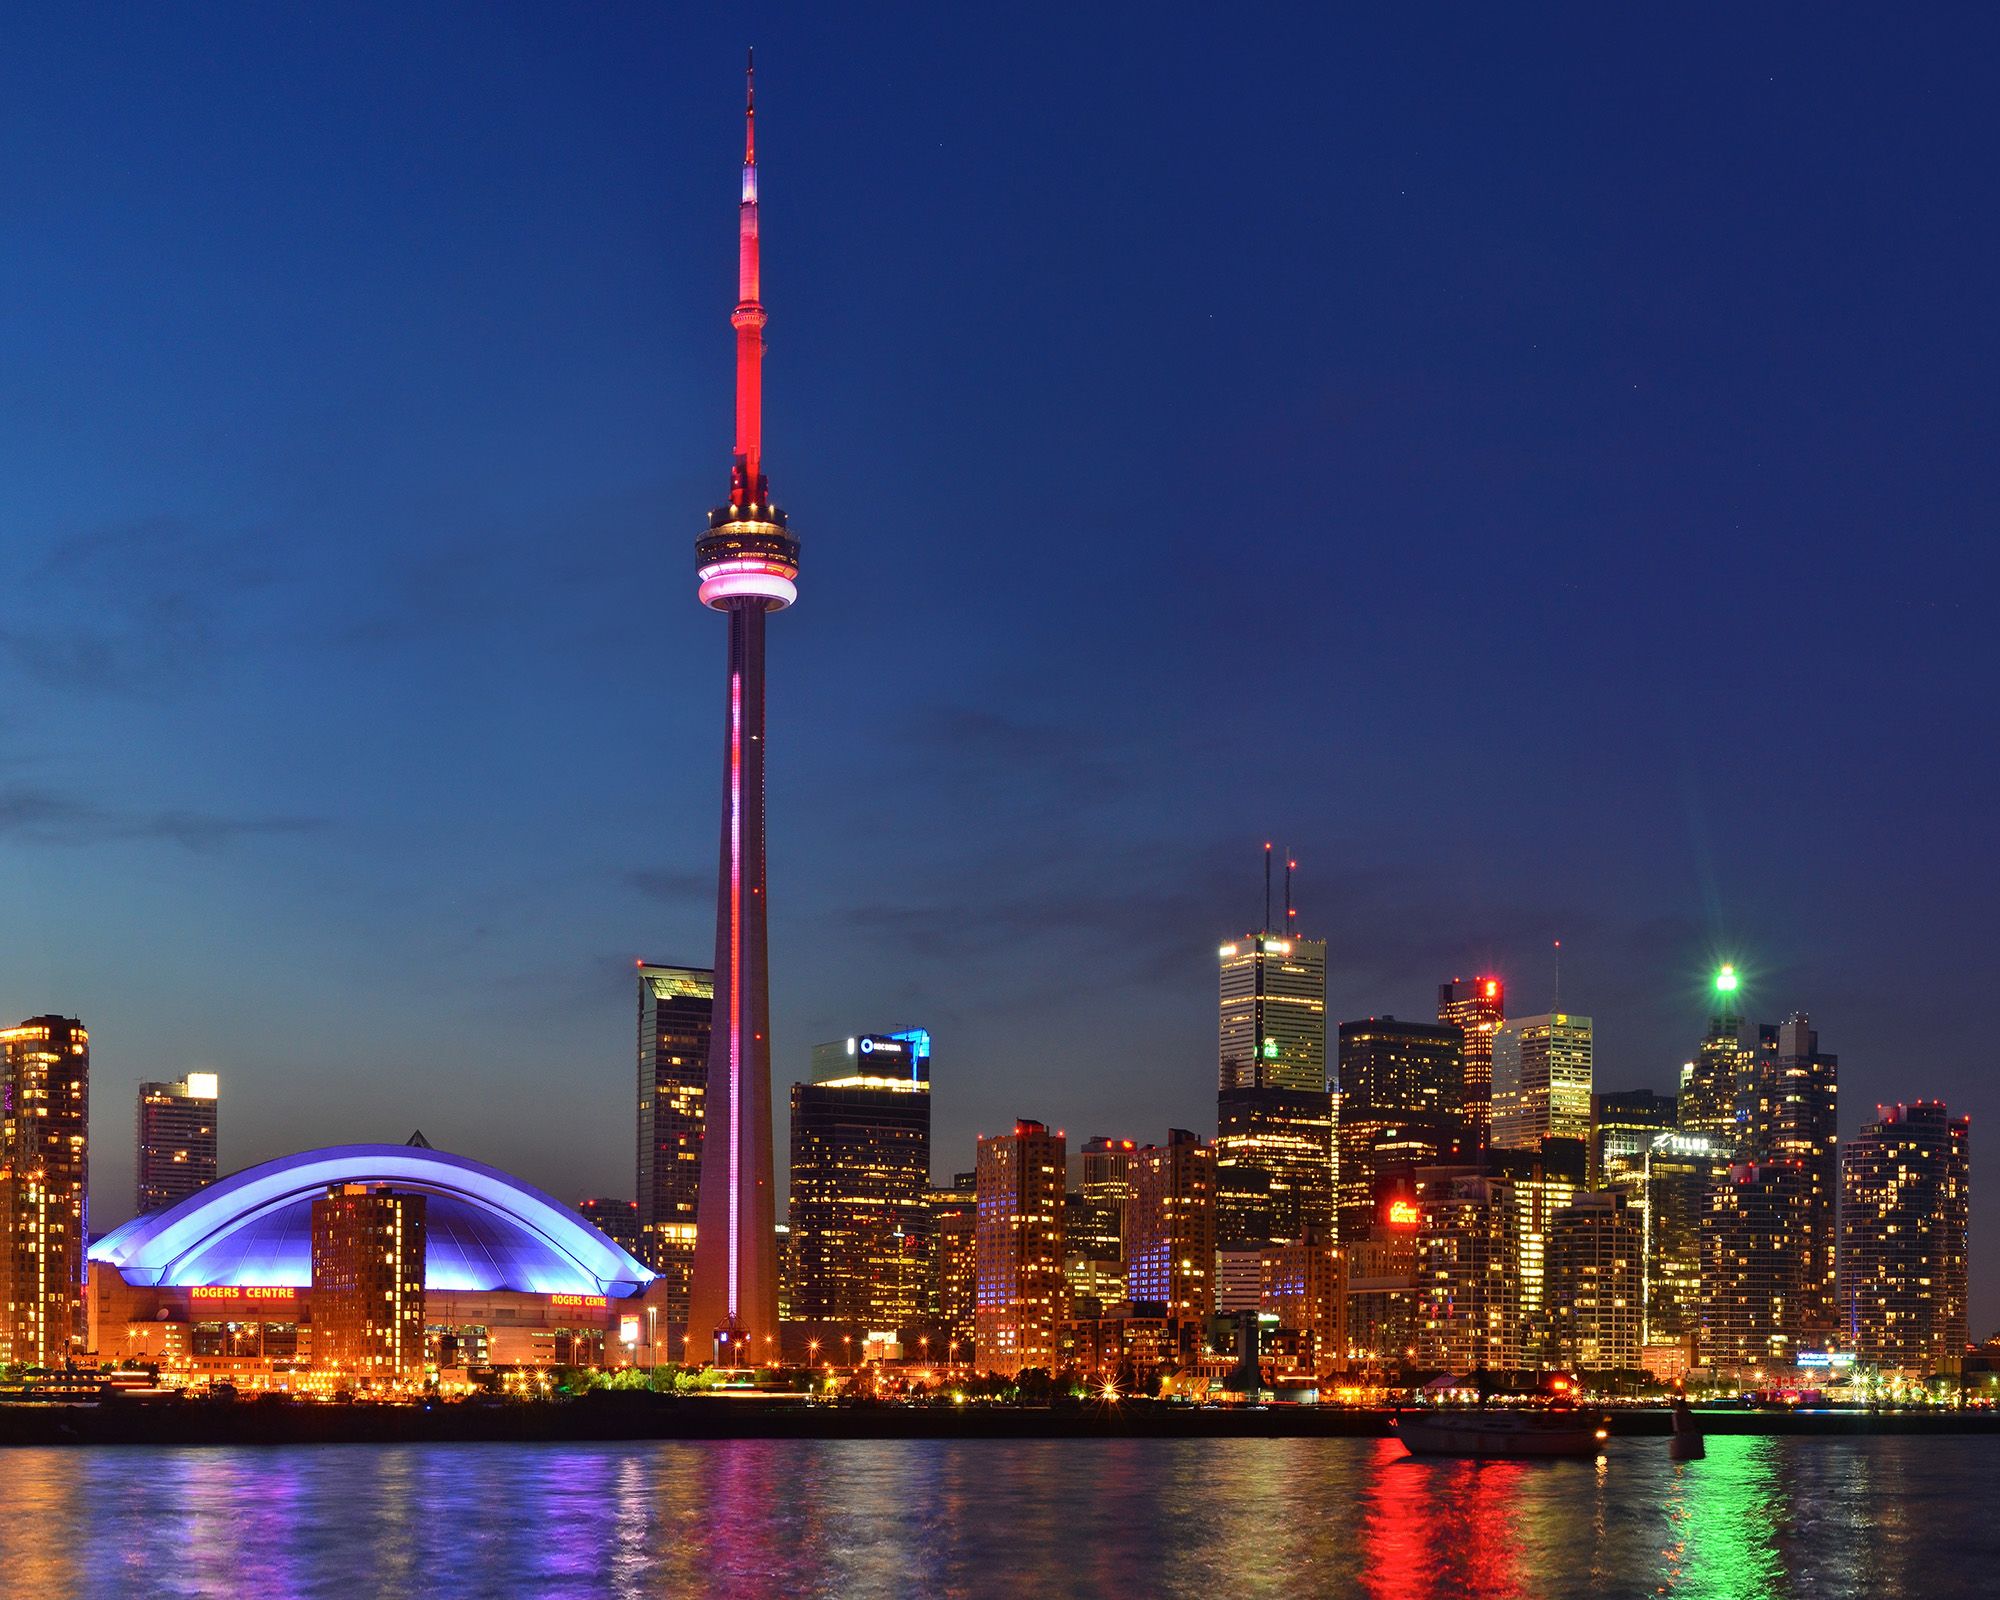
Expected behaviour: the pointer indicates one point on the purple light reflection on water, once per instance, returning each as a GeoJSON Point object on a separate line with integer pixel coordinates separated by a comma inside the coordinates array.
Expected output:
{"type": "Point", "coordinates": [846, 1518]}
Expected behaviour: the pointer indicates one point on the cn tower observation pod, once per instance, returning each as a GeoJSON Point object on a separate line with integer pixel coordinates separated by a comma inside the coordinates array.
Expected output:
{"type": "Point", "coordinates": [484, 1229]}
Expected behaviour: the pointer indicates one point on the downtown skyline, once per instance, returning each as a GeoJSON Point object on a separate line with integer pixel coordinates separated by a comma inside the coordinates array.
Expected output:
{"type": "Point", "coordinates": [375, 824]}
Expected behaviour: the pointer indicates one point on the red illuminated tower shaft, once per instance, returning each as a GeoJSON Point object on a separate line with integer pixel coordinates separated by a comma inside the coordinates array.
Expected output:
{"type": "Point", "coordinates": [747, 562]}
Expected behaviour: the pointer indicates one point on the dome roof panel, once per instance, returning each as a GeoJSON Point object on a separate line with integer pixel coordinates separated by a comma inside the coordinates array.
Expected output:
{"type": "Point", "coordinates": [483, 1229]}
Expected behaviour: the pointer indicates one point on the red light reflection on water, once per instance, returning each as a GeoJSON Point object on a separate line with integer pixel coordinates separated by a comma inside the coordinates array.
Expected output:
{"type": "Point", "coordinates": [1441, 1527]}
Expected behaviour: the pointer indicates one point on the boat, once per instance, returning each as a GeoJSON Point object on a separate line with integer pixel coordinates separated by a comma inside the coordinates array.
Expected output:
{"type": "Point", "coordinates": [1502, 1431]}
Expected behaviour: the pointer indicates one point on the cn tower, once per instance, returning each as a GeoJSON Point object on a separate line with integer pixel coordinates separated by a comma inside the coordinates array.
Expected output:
{"type": "Point", "coordinates": [747, 562]}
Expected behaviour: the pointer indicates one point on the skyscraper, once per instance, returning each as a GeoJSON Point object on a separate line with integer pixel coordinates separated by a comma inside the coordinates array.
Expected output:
{"type": "Point", "coordinates": [748, 562]}
{"type": "Point", "coordinates": [1595, 1283]}
{"type": "Point", "coordinates": [1905, 1182]}
{"type": "Point", "coordinates": [861, 1183]}
{"type": "Point", "coordinates": [1753, 1271]}
{"type": "Point", "coordinates": [1476, 1007]}
{"type": "Point", "coordinates": [1402, 1105]}
{"type": "Point", "coordinates": [1541, 1080]}
{"type": "Point", "coordinates": [1672, 1194]}
{"type": "Point", "coordinates": [1107, 1189]}
{"type": "Point", "coordinates": [1273, 1029]}
{"type": "Point", "coordinates": [1712, 1081]}
{"type": "Point", "coordinates": [955, 1263]}
{"type": "Point", "coordinates": [1172, 1260]}
{"type": "Point", "coordinates": [1540, 1184]}
{"type": "Point", "coordinates": [1788, 1112]}
{"type": "Point", "coordinates": [1623, 1125]}
{"type": "Point", "coordinates": [177, 1139]}
{"type": "Point", "coordinates": [617, 1220]}
{"type": "Point", "coordinates": [1287, 1135]}
{"type": "Point", "coordinates": [676, 1011]}
{"type": "Point", "coordinates": [1018, 1249]}
{"type": "Point", "coordinates": [44, 1189]}
{"type": "Point", "coordinates": [1465, 1274]}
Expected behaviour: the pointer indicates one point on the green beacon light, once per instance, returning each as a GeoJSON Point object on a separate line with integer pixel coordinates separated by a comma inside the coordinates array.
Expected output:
{"type": "Point", "coordinates": [1725, 979]}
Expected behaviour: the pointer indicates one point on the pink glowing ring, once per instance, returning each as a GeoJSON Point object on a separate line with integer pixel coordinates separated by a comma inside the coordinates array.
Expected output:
{"type": "Point", "coordinates": [770, 581]}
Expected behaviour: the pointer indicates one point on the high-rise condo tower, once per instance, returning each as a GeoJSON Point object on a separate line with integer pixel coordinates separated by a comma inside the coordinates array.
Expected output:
{"type": "Point", "coordinates": [747, 561]}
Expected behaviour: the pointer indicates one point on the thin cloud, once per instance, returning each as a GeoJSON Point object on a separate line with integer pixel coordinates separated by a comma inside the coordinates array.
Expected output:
{"type": "Point", "coordinates": [140, 604]}
{"type": "Point", "coordinates": [50, 817]}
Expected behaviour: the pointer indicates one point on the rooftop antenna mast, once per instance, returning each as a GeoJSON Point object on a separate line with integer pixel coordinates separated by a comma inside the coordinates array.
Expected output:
{"type": "Point", "coordinates": [1289, 912]}
{"type": "Point", "coordinates": [1556, 1003]}
{"type": "Point", "coordinates": [1267, 886]}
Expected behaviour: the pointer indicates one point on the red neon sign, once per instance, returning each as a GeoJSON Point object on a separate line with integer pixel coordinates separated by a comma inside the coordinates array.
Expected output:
{"type": "Point", "coordinates": [267, 1293]}
{"type": "Point", "coordinates": [586, 1302]}
{"type": "Point", "coordinates": [1404, 1214]}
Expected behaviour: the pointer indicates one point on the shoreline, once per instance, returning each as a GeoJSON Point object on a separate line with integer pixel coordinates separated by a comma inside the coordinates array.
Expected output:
{"type": "Point", "coordinates": [645, 1417]}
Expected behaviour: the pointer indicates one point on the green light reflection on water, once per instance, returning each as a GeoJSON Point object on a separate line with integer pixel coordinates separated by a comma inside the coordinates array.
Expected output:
{"type": "Point", "coordinates": [1720, 1511]}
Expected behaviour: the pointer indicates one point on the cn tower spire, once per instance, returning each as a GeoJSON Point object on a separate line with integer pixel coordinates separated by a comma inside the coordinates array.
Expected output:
{"type": "Point", "coordinates": [747, 485]}
{"type": "Point", "coordinates": [748, 565]}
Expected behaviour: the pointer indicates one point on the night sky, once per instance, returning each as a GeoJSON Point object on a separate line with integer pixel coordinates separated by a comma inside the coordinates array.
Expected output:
{"type": "Point", "coordinates": [1540, 469]}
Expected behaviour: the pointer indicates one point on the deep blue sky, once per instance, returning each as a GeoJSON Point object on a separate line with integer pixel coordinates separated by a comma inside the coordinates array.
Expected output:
{"type": "Point", "coordinates": [1540, 467]}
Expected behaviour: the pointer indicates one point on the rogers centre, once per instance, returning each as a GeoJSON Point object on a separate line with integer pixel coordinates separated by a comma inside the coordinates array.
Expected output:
{"type": "Point", "coordinates": [220, 1286]}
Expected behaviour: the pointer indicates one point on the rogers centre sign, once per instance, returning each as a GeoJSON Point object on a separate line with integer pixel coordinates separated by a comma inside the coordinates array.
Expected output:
{"type": "Point", "coordinates": [241, 1293]}
{"type": "Point", "coordinates": [583, 1302]}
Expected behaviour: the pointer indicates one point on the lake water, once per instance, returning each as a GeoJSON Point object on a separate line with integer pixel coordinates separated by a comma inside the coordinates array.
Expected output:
{"type": "Point", "coordinates": [1217, 1519]}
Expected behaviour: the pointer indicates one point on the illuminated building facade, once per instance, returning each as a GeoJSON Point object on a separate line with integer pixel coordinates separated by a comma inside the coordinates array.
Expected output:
{"type": "Point", "coordinates": [676, 1014]}
{"type": "Point", "coordinates": [1018, 1285]}
{"type": "Point", "coordinates": [1465, 1274]}
{"type": "Point", "coordinates": [1286, 1134]}
{"type": "Point", "coordinates": [1172, 1259]}
{"type": "Point", "coordinates": [1239, 1278]}
{"type": "Point", "coordinates": [748, 561]}
{"type": "Point", "coordinates": [1273, 1013]}
{"type": "Point", "coordinates": [1712, 1081]}
{"type": "Point", "coordinates": [1094, 1282]}
{"type": "Point", "coordinates": [1381, 1300]}
{"type": "Point", "coordinates": [861, 1188]}
{"type": "Point", "coordinates": [1753, 1271]}
{"type": "Point", "coordinates": [1107, 1191]}
{"type": "Point", "coordinates": [1541, 1080]}
{"type": "Point", "coordinates": [1905, 1192]}
{"type": "Point", "coordinates": [1672, 1195]}
{"type": "Point", "coordinates": [1789, 1112]}
{"type": "Point", "coordinates": [617, 1220]}
{"type": "Point", "coordinates": [44, 1190]}
{"type": "Point", "coordinates": [1402, 1105]}
{"type": "Point", "coordinates": [1304, 1286]}
{"type": "Point", "coordinates": [1243, 1207]}
{"type": "Point", "coordinates": [1540, 1185]}
{"type": "Point", "coordinates": [1623, 1125]}
{"type": "Point", "coordinates": [955, 1261]}
{"type": "Point", "coordinates": [368, 1286]}
{"type": "Point", "coordinates": [221, 1286]}
{"type": "Point", "coordinates": [1596, 1284]}
{"type": "Point", "coordinates": [1476, 1007]}
{"type": "Point", "coordinates": [177, 1139]}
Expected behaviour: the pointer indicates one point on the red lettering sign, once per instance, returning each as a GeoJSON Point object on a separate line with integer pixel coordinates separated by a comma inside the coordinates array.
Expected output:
{"type": "Point", "coordinates": [1404, 1214]}
{"type": "Point", "coordinates": [586, 1302]}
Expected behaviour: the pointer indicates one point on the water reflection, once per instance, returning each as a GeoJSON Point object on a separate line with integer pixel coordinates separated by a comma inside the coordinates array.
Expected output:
{"type": "Point", "coordinates": [1758, 1517]}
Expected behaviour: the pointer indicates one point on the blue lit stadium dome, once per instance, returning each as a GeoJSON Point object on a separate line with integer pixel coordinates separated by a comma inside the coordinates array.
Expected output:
{"type": "Point", "coordinates": [486, 1230]}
